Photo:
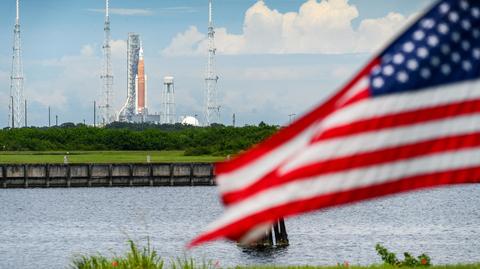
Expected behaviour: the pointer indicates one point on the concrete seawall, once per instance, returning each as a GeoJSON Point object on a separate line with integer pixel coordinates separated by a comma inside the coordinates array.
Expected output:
{"type": "Point", "coordinates": [105, 175]}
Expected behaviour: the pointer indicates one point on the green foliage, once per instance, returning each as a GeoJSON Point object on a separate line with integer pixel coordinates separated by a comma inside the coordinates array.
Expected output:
{"type": "Point", "coordinates": [409, 260]}
{"type": "Point", "coordinates": [146, 258]}
{"type": "Point", "coordinates": [217, 140]}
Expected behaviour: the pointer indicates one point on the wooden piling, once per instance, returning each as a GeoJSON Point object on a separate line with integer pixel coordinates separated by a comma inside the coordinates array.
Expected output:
{"type": "Point", "coordinates": [268, 241]}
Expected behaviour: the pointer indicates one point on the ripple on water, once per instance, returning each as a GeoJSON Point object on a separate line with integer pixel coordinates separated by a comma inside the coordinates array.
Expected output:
{"type": "Point", "coordinates": [45, 228]}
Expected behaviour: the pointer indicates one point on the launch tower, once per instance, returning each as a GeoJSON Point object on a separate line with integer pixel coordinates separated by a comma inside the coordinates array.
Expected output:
{"type": "Point", "coordinates": [107, 74]}
{"type": "Point", "coordinates": [127, 113]}
{"type": "Point", "coordinates": [16, 112]}
{"type": "Point", "coordinates": [212, 109]}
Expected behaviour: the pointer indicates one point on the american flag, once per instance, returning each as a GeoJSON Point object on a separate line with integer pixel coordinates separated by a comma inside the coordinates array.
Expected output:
{"type": "Point", "coordinates": [409, 119]}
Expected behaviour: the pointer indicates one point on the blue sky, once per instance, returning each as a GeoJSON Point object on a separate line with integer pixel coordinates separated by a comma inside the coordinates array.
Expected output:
{"type": "Point", "coordinates": [275, 58]}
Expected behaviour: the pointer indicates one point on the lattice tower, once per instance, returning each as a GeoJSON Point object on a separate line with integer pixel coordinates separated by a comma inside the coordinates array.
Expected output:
{"type": "Point", "coordinates": [212, 109]}
{"type": "Point", "coordinates": [17, 115]}
{"type": "Point", "coordinates": [107, 113]}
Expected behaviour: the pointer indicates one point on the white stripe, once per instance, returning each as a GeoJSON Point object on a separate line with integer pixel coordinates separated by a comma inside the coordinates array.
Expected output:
{"type": "Point", "coordinates": [347, 180]}
{"type": "Point", "coordinates": [253, 171]}
{"type": "Point", "coordinates": [396, 103]}
{"type": "Point", "coordinates": [377, 140]}
{"type": "Point", "coordinates": [358, 87]}
{"type": "Point", "coordinates": [364, 142]}
{"type": "Point", "coordinates": [271, 160]}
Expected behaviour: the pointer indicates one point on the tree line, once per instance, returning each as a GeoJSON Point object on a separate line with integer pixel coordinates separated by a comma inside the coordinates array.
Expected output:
{"type": "Point", "coordinates": [214, 140]}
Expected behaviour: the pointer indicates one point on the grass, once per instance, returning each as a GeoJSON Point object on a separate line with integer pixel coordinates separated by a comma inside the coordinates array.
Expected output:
{"type": "Point", "coordinates": [378, 266]}
{"type": "Point", "coordinates": [147, 258]}
{"type": "Point", "coordinates": [32, 157]}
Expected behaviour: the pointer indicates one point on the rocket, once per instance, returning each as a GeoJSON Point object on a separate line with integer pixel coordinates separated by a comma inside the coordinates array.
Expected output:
{"type": "Point", "coordinates": [141, 85]}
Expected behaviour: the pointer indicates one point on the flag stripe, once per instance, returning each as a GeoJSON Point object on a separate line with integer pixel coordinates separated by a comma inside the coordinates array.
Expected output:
{"type": "Point", "coordinates": [365, 142]}
{"type": "Point", "coordinates": [347, 180]}
{"type": "Point", "coordinates": [235, 230]}
{"type": "Point", "coordinates": [401, 119]}
{"type": "Point", "coordinates": [356, 161]}
{"type": "Point", "coordinates": [398, 103]}
{"type": "Point", "coordinates": [291, 132]}
{"type": "Point", "coordinates": [361, 111]}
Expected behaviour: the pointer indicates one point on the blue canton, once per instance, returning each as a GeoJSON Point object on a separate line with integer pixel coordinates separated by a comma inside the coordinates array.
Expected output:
{"type": "Point", "coordinates": [442, 47]}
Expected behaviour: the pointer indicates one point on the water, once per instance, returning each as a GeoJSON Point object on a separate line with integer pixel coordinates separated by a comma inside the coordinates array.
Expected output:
{"type": "Point", "coordinates": [46, 228]}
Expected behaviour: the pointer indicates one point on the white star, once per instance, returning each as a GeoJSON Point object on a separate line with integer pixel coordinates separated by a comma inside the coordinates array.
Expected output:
{"type": "Point", "coordinates": [422, 52]}
{"type": "Point", "coordinates": [456, 36]}
{"type": "Point", "coordinates": [476, 53]}
{"type": "Point", "coordinates": [453, 16]}
{"type": "Point", "coordinates": [428, 23]}
{"type": "Point", "coordinates": [444, 8]}
{"type": "Point", "coordinates": [425, 73]}
{"type": "Point", "coordinates": [388, 70]}
{"type": "Point", "coordinates": [412, 64]}
{"type": "Point", "coordinates": [467, 66]}
{"type": "Point", "coordinates": [432, 40]}
{"type": "Point", "coordinates": [475, 12]}
{"type": "Point", "coordinates": [418, 35]}
{"type": "Point", "coordinates": [464, 5]}
{"type": "Point", "coordinates": [443, 28]}
{"type": "Point", "coordinates": [398, 58]}
{"type": "Point", "coordinates": [402, 76]}
{"type": "Point", "coordinates": [446, 69]}
{"type": "Point", "coordinates": [435, 61]}
{"type": "Point", "coordinates": [408, 47]}
{"type": "Point", "coordinates": [465, 45]}
{"type": "Point", "coordinates": [456, 57]}
{"type": "Point", "coordinates": [445, 49]}
{"type": "Point", "coordinates": [466, 24]}
{"type": "Point", "coordinates": [378, 82]}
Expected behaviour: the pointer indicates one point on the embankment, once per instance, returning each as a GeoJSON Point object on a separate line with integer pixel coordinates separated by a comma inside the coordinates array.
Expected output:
{"type": "Point", "coordinates": [105, 175]}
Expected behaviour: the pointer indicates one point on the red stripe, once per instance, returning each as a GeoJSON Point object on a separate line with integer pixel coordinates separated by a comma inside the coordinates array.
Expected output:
{"type": "Point", "coordinates": [237, 229]}
{"type": "Point", "coordinates": [362, 95]}
{"type": "Point", "coordinates": [401, 119]}
{"type": "Point", "coordinates": [284, 135]}
{"type": "Point", "coordinates": [377, 157]}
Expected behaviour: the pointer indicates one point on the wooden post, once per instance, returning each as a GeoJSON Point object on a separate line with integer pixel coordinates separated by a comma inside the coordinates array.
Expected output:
{"type": "Point", "coordinates": [283, 234]}
{"type": "Point", "coordinates": [4, 176]}
{"type": "Point", "coordinates": [212, 176]}
{"type": "Point", "coordinates": [47, 175]}
{"type": "Point", "coordinates": [69, 177]}
{"type": "Point", "coordinates": [110, 177]}
{"type": "Point", "coordinates": [150, 171]}
{"type": "Point", "coordinates": [171, 174]}
{"type": "Point", "coordinates": [130, 175]}
{"type": "Point", "coordinates": [89, 175]}
{"type": "Point", "coordinates": [276, 230]}
{"type": "Point", "coordinates": [25, 175]}
{"type": "Point", "coordinates": [191, 174]}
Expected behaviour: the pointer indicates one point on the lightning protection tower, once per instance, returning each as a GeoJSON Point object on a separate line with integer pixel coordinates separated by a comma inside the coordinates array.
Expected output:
{"type": "Point", "coordinates": [16, 79]}
{"type": "Point", "coordinates": [168, 101]}
{"type": "Point", "coordinates": [212, 109]}
{"type": "Point", "coordinates": [107, 74]}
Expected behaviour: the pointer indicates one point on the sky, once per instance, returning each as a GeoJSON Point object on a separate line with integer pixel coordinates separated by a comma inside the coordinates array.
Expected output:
{"type": "Point", "coordinates": [275, 57]}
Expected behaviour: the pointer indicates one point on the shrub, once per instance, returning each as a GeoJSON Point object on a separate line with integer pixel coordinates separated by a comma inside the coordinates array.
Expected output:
{"type": "Point", "coordinates": [409, 260]}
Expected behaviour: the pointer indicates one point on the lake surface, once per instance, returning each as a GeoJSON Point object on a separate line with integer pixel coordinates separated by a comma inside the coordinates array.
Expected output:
{"type": "Point", "coordinates": [46, 228]}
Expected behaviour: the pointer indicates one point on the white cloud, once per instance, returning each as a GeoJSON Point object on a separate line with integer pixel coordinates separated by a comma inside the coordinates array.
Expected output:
{"type": "Point", "coordinates": [177, 9]}
{"type": "Point", "coordinates": [125, 11]}
{"type": "Point", "coordinates": [319, 26]}
{"type": "Point", "coordinates": [119, 48]}
{"type": "Point", "coordinates": [87, 51]}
